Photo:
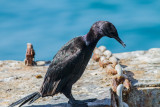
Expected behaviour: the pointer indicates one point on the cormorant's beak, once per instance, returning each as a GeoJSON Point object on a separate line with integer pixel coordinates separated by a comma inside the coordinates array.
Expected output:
{"type": "Point", "coordinates": [120, 41]}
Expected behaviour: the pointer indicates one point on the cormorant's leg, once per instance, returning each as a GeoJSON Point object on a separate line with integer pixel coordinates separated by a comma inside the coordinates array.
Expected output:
{"type": "Point", "coordinates": [68, 94]}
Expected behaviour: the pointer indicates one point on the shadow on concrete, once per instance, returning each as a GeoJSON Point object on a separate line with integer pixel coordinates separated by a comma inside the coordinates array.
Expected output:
{"type": "Point", "coordinates": [130, 75]}
{"type": "Point", "coordinates": [131, 78]}
{"type": "Point", "coordinates": [89, 103]}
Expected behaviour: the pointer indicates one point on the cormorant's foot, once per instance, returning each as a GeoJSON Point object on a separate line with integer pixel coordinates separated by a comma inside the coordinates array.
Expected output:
{"type": "Point", "coordinates": [77, 102]}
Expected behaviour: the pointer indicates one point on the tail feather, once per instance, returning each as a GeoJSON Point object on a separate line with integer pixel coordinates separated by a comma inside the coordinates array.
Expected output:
{"type": "Point", "coordinates": [26, 99]}
{"type": "Point", "coordinates": [35, 98]}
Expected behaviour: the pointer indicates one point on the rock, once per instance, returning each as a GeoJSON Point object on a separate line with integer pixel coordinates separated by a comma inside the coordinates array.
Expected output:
{"type": "Point", "coordinates": [103, 62]}
{"type": "Point", "coordinates": [43, 63]}
{"type": "Point", "coordinates": [102, 48]}
{"type": "Point", "coordinates": [96, 54]}
{"type": "Point", "coordinates": [114, 61]}
{"type": "Point", "coordinates": [96, 57]}
{"type": "Point", "coordinates": [110, 70]}
{"type": "Point", "coordinates": [141, 67]}
{"type": "Point", "coordinates": [107, 53]}
{"type": "Point", "coordinates": [38, 76]}
{"type": "Point", "coordinates": [7, 79]}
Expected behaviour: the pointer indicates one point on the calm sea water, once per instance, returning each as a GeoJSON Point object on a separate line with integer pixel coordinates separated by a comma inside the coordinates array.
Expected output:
{"type": "Point", "coordinates": [49, 24]}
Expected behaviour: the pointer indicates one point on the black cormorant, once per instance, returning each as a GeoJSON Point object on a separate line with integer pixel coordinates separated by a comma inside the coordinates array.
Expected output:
{"type": "Point", "coordinates": [70, 62]}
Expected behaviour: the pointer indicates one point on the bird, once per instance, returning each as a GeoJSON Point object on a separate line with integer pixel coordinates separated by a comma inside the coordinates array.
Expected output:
{"type": "Point", "coordinates": [70, 62]}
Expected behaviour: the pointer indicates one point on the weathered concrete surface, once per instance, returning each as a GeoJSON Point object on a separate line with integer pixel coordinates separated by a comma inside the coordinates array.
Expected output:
{"type": "Point", "coordinates": [142, 68]}
{"type": "Point", "coordinates": [18, 80]}
{"type": "Point", "coordinates": [89, 103]}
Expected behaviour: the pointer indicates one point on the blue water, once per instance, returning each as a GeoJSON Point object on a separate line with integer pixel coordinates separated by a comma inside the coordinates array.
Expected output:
{"type": "Point", "coordinates": [49, 24]}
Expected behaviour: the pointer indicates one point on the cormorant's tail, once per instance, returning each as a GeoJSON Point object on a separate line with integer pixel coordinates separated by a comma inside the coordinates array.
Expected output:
{"type": "Point", "coordinates": [30, 98]}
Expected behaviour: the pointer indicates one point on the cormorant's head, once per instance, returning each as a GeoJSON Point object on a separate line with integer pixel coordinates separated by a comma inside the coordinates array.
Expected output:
{"type": "Point", "coordinates": [106, 28]}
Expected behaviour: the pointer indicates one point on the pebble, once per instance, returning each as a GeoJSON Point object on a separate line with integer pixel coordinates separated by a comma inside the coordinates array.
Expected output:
{"type": "Point", "coordinates": [38, 76]}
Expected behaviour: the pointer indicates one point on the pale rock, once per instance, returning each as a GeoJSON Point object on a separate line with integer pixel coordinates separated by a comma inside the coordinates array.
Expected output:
{"type": "Point", "coordinates": [107, 53]}
{"type": "Point", "coordinates": [141, 67]}
{"type": "Point", "coordinates": [102, 48]}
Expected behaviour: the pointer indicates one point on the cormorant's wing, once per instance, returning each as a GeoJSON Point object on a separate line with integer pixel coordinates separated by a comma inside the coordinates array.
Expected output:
{"type": "Point", "coordinates": [62, 65]}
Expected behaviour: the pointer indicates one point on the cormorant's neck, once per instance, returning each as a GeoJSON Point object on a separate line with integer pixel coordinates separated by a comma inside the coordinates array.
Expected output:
{"type": "Point", "coordinates": [91, 38]}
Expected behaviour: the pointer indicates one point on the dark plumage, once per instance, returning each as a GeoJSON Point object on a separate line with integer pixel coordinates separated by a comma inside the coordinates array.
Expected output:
{"type": "Point", "coordinates": [70, 62]}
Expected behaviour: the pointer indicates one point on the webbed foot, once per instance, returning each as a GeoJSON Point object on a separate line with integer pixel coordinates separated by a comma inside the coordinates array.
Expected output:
{"type": "Point", "coordinates": [77, 102]}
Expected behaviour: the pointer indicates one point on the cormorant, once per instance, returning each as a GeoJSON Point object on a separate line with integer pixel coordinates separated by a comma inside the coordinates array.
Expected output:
{"type": "Point", "coordinates": [70, 62]}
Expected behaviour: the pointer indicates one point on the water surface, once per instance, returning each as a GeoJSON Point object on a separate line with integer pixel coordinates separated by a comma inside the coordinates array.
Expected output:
{"type": "Point", "coordinates": [49, 24]}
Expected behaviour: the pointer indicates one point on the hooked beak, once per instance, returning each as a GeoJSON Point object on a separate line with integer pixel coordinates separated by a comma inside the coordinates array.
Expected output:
{"type": "Point", "coordinates": [120, 41]}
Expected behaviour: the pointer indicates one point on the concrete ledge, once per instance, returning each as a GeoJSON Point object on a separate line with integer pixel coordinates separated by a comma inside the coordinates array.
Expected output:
{"type": "Point", "coordinates": [89, 103]}
{"type": "Point", "coordinates": [142, 68]}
